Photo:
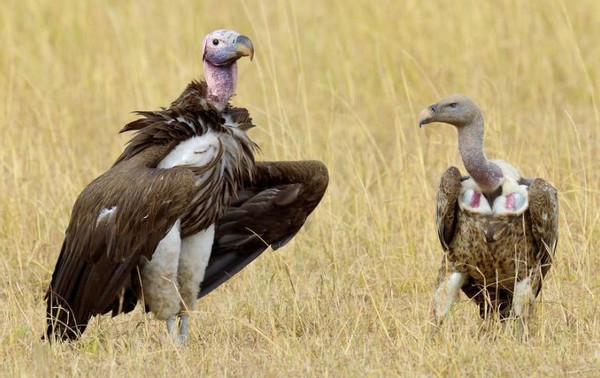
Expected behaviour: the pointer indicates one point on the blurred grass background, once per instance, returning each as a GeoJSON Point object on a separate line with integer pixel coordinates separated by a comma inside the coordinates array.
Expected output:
{"type": "Point", "coordinates": [338, 81]}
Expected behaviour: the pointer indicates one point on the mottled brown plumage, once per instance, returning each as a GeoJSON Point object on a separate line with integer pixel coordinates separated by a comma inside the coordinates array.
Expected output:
{"type": "Point", "coordinates": [495, 251]}
{"type": "Point", "coordinates": [499, 230]}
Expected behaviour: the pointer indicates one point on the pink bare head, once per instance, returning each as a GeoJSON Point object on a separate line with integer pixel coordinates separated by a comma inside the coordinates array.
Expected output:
{"type": "Point", "coordinates": [220, 51]}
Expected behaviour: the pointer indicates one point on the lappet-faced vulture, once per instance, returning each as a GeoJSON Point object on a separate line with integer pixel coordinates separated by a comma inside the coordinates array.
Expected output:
{"type": "Point", "coordinates": [184, 207]}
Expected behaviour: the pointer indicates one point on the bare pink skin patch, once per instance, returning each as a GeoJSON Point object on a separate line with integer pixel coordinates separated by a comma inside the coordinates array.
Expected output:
{"type": "Point", "coordinates": [510, 202]}
{"type": "Point", "coordinates": [475, 199]}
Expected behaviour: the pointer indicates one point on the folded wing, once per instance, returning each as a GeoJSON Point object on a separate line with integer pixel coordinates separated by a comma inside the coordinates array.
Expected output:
{"type": "Point", "coordinates": [543, 208]}
{"type": "Point", "coordinates": [117, 220]}
{"type": "Point", "coordinates": [447, 206]}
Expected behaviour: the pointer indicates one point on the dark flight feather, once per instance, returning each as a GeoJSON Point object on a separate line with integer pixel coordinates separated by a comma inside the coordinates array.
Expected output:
{"type": "Point", "coordinates": [268, 211]}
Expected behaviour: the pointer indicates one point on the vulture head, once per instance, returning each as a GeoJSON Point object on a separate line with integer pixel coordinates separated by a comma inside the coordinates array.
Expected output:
{"type": "Point", "coordinates": [223, 48]}
{"type": "Point", "coordinates": [220, 51]}
{"type": "Point", "coordinates": [460, 111]}
{"type": "Point", "coordinates": [457, 110]}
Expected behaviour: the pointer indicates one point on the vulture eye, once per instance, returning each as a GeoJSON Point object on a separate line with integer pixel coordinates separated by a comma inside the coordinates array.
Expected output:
{"type": "Point", "coordinates": [453, 105]}
{"type": "Point", "coordinates": [215, 42]}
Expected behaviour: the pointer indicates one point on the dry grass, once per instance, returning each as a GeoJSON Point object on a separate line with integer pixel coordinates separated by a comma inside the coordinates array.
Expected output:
{"type": "Point", "coordinates": [339, 81]}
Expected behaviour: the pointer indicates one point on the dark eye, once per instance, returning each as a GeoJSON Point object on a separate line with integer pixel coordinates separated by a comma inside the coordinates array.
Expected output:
{"type": "Point", "coordinates": [215, 42]}
{"type": "Point", "coordinates": [453, 105]}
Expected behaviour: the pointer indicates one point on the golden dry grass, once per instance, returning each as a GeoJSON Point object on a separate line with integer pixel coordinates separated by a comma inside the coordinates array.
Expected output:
{"type": "Point", "coordinates": [339, 81]}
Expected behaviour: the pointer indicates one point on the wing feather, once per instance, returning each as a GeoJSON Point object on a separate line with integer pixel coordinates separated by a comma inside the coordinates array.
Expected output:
{"type": "Point", "coordinates": [268, 211]}
{"type": "Point", "coordinates": [543, 208]}
{"type": "Point", "coordinates": [447, 205]}
{"type": "Point", "coordinates": [97, 266]}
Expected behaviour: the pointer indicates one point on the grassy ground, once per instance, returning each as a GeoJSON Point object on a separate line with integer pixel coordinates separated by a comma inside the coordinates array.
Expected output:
{"type": "Point", "coordinates": [339, 81]}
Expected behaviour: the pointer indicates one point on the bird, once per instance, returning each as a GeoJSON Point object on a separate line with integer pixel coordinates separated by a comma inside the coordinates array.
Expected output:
{"type": "Point", "coordinates": [498, 229]}
{"type": "Point", "coordinates": [184, 208]}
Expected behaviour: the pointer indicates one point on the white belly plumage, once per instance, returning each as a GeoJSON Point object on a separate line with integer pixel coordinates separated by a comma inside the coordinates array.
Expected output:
{"type": "Point", "coordinates": [171, 279]}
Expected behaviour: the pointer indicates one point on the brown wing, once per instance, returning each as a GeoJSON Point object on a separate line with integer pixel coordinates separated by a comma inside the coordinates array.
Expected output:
{"type": "Point", "coordinates": [543, 208]}
{"type": "Point", "coordinates": [96, 271]}
{"type": "Point", "coordinates": [447, 205]}
{"type": "Point", "coordinates": [267, 212]}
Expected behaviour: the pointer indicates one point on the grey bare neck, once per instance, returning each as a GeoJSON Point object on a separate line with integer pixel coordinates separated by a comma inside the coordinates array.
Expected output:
{"type": "Point", "coordinates": [486, 173]}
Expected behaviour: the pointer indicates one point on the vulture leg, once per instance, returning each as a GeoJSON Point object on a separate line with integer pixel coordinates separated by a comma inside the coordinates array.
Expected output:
{"type": "Point", "coordinates": [160, 276]}
{"type": "Point", "coordinates": [522, 301]}
{"type": "Point", "coordinates": [195, 253]}
{"type": "Point", "coordinates": [171, 324]}
{"type": "Point", "coordinates": [178, 327]}
{"type": "Point", "coordinates": [184, 328]}
{"type": "Point", "coordinates": [446, 294]}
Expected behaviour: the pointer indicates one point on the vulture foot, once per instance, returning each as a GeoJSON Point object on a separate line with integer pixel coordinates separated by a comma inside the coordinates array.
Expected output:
{"type": "Point", "coordinates": [180, 333]}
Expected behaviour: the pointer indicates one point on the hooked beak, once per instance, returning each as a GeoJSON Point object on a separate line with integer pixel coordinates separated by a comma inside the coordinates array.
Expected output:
{"type": "Point", "coordinates": [427, 115]}
{"type": "Point", "coordinates": [243, 47]}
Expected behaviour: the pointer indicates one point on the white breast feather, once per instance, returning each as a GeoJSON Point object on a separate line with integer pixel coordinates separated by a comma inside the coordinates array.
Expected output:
{"type": "Point", "coordinates": [468, 190]}
{"type": "Point", "coordinates": [519, 196]}
{"type": "Point", "coordinates": [508, 170]}
{"type": "Point", "coordinates": [197, 151]}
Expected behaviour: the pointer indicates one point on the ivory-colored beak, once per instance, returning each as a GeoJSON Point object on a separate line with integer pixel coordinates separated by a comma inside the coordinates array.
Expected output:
{"type": "Point", "coordinates": [425, 116]}
{"type": "Point", "coordinates": [243, 46]}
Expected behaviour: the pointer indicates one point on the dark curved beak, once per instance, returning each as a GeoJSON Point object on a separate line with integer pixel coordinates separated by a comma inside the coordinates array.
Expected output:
{"type": "Point", "coordinates": [243, 47]}
{"type": "Point", "coordinates": [427, 115]}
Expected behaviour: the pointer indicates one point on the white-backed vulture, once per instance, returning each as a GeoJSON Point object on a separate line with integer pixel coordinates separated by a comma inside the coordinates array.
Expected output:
{"type": "Point", "coordinates": [498, 229]}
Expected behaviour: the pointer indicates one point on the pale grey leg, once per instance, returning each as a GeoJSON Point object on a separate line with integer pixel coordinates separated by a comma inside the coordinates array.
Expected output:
{"type": "Point", "coordinates": [171, 324]}
{"type": "Point", "coordinates": [184, 329]}
{"type": "Point", "coordinates": [179, 328]}
{"type": "Point", "coordinates": [193, 259]}
{"type": "Point", "coordinates": [522, 300]}
{"type": "Point", "coordinates": [446, 294]}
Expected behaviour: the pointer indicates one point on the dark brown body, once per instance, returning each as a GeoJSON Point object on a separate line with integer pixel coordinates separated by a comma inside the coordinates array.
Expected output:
{"type": "Point", "coordinates": [98, 270]}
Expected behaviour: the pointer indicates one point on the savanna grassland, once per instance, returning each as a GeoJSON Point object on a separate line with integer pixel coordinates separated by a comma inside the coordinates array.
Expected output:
{"type": "Point", "coordinates": [342, 82]}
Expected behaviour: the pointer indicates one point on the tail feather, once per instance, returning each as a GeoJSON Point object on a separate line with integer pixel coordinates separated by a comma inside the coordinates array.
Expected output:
{"type": "Point", "coordinates": [61, 323]}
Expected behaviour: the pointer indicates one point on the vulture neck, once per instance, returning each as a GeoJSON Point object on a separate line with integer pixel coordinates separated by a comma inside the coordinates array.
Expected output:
{"type": "Point", "coordinates": [486, 174]}
{"type": "Point", "coordinates": [221, 82]}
